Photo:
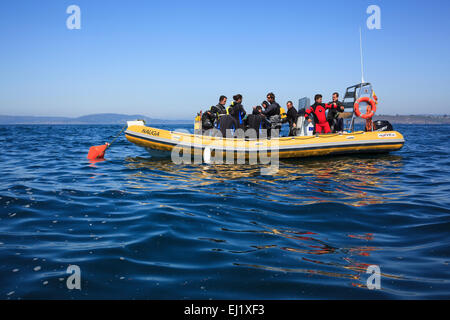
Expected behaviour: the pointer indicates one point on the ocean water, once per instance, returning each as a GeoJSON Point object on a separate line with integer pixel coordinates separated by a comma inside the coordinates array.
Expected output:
{"type": "Point", "coordinates": [140, 228]}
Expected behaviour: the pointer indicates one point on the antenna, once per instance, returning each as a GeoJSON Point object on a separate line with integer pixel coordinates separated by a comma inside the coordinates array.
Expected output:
{"type": "Point", "coordinates": [361, 52]}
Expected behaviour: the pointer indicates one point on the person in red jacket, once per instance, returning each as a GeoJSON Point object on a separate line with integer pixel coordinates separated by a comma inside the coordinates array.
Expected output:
{"type": "Point", "coordinates": [318, 112]}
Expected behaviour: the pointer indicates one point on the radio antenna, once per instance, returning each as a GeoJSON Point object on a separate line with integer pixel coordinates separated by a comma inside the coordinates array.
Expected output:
{"type": "Point", "coordinates": [361, 53]}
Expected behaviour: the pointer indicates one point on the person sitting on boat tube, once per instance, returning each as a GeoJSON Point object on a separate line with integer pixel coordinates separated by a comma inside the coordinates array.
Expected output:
{"type": "Point", "coordinates": [271, 107]}
{"type": "Point", "coordinates": [236, 110]}
{"type": "Point", "coordinates": [257, 121]}
{"type": "Point", "coordinates": [272, 111]}
{"type": "Point", "coordinates": [336, 123]}
{"type": "Point", "coordinates": [227, 125]}
{"type": "Point", "coordinates": [318, 111]}
{"type": "Point", "coordinates": [219, 109]}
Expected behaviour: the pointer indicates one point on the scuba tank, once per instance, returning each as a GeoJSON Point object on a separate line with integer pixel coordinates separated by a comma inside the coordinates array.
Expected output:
{"type": "Point", "coordinates": [283, 113]}
{"type": "Point", "coordinates": [310, 129]}
{"type": "Point", "coordinates": [198, 124]}
{"type": "Point", "coordinates": [301, 126]}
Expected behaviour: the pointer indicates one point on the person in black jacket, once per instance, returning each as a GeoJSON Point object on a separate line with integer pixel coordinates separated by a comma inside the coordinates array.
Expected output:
{"type": "Point", "coordinates": [291, 117]}
{"type": "Point", "coordinates": [236, 110]}
{"type": "Point", "coordinates": [219, 109]}
{"type": "Point", "coordinates": [227, 125]}
{"type": "Point", "coordinates": [272, 108]}
{"type": "Point", "coordinates": [272, 112]}
{"type": "Point", "coordinates": [336, 123]}
{"type": "Point", "coordinates": [257, 121]}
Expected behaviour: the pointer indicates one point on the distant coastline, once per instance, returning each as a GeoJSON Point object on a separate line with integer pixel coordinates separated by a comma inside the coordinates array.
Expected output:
{"type": "Point", "coordinates": [114, 118]}
{"type": "Point", "coordinates": [100, 118]}
{"type": "Point", "coordinates": [412, 119]}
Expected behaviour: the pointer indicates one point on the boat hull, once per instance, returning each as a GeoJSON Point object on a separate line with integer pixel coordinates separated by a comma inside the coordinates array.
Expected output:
{"type": "Point", "coordinates": [160, 143]}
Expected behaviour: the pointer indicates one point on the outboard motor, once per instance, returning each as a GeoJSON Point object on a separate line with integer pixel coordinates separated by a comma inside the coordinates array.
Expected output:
{"type": "Point", "coordinates": [382, 125]}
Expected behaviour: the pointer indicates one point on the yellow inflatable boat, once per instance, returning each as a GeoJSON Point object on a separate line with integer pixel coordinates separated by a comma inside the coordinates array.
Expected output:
{"type": "Point", "coordinates": [161, 142]}
{"type": "Point", "coordinates": [166, 143]}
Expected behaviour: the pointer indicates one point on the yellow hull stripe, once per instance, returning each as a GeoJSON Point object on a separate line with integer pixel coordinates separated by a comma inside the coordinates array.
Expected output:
{"type": "Point", "coordinates": [288, 153]}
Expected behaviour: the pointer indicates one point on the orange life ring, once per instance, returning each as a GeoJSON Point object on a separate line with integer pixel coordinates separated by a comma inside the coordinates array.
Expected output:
{"type": "Point", "coordinates": [369, 101]}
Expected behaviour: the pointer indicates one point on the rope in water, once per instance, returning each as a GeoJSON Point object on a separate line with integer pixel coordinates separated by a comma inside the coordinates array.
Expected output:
{"type": "Point", "coordinates": [123, 129]}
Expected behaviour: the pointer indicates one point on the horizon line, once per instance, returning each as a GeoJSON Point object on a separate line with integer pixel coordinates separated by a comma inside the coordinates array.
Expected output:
{"type": "Point", "coordinates": [183, 119]}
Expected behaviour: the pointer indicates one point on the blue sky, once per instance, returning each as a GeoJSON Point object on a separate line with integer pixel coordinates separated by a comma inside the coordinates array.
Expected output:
{"type": "Point", "coordinates": [169, 59]}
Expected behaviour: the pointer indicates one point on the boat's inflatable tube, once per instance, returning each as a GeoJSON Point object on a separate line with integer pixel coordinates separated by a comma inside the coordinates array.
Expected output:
{"type": "Point", "coordinates": [370, 101]}
{"type": "Point", "coordinates": [165, 141]}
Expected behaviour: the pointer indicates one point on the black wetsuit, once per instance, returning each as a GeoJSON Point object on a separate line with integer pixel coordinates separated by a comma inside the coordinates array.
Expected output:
{"type": "Point", "coordinates": [257, 122]}
{"type": "Point", "coordinates": [217, 111]}
{"type": "Point", "coordinates": [236, 110]}
{"type": "Point", "coordinates": [334, 113]}
{"type": "Point", "coordinates": [291, 117]}
{"type": "Point", "coordinates": [336, 123]}
{"type": "Point", "coordinates": [272, 109]}
{"type": "Point", "coordinates": [272, 112]}
{"type": "Point", "coordinates": [227, 123]}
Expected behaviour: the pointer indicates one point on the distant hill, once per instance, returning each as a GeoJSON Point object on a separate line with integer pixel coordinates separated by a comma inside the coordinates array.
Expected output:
{"type": "Point", "coordinates": [412, 119]}
{"type": "Point", "coordinates": [101, 118]}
